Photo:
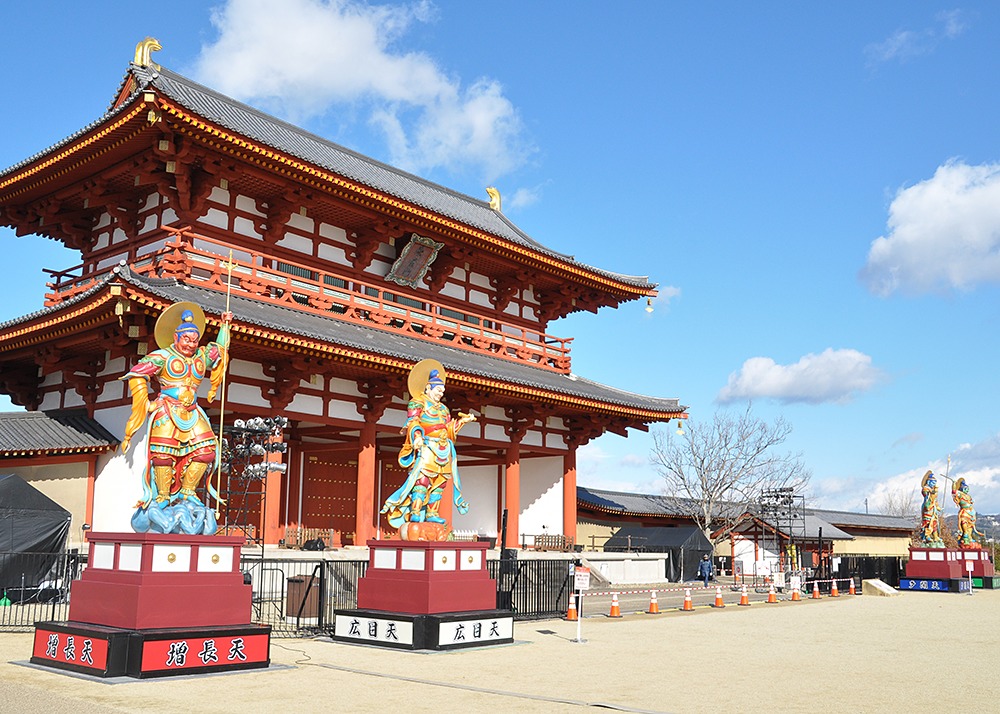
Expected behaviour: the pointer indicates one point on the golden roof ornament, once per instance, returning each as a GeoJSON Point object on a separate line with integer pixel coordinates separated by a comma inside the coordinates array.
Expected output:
{"type": "Point", "coordinates": [494, 198]}
{"type": "Point", "coordinates": [144, 50]}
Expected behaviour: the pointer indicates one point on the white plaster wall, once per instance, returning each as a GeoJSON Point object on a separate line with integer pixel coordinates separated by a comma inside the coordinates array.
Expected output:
{"type": "Point", "coordinates": [249, 205]}
{"type": "Point", "coordinates": [299, 244]}
{"type": "Point", "coordinates": [215, 217]}
{"type": "Point", "coordinates": [472, 430]}
{"type": "Point", "coordinates": [242, 368]}
{"type": "Point", "coordinates": [541, 496]}
{"type": "Point", "coordinates": [119, 476]}
{"type": "Point", "coordinates": [306, 404]}
{"type": "Point", "coordinates": [245, 395]}
{"type": "Point", "coordinates": [332, 232]}
{"type": "Point", "coordinates": [245, 227]}
{"type": "Point", "coordinates": [342, 410]}
{"type": "Point", "coordinates": [480, 299]}
{"type": "Point", "coordinates": [743, 550]}
{"type": "Point", "coordinates": [66, 484]}
{"type": "Point", "coordinates": [495, 432]}
{"type": "Point", "coordinates": [344, 386]}
{"type": "Point", "coordinates": [452, 290]}
{"type": "Point", "coordinates": [532, 438]}
{"type": "Point", "coordinates": [302, 223]}
{"type": "Point", "coordinates": [631, 569]}
{"type": "Point", "coordinates": [479, 488]}
{"type": "Point", "coordinates": [219, 195]}
{"type": "Point", "coordinates": [333, 254]}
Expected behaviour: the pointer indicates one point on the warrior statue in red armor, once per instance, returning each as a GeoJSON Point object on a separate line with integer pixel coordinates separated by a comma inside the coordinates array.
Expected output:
{"type": "Point", "coordinates": [182, 446]}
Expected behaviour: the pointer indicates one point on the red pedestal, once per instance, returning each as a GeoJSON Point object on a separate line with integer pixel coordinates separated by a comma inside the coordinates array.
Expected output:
{"type": "Point", "coordinates": [425, 577]}
{"type": "Point", "coordinates": [948, 563]}
{"type": "Point", "coordinates": [151, 605]}
{"type": "Point", "coordinates": [139, 581]}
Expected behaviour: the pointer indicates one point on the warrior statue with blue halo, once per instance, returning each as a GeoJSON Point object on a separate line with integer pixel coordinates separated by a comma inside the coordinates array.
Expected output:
{"type": "Point", "coordinates": [182, 446]}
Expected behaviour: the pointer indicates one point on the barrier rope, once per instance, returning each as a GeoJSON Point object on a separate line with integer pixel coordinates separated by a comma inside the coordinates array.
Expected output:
{"type": "Point", "coordinates": [646, 591]}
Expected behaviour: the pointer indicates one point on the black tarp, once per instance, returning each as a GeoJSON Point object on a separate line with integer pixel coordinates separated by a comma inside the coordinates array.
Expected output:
{"type": "Point", "coordinates": [684, 547]}
{"type": "Point", "coordinates": [33, 530]}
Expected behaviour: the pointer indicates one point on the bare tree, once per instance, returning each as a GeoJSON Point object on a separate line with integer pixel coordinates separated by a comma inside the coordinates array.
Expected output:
{"type": "Point", "coordinates": [718, 470]}
{"type": "Point", "coordinates": [898, 503]}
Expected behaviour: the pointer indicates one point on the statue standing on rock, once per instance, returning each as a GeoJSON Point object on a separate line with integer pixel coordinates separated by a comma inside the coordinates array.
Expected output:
{"type": "Point", "coordinates": [429, 456]}
{"type": "Point", "coordinates": [182, 446]}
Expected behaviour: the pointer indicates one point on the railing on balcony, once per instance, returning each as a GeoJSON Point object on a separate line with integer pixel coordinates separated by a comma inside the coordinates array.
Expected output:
{"type": "Point", "coordinates": [197, 258]}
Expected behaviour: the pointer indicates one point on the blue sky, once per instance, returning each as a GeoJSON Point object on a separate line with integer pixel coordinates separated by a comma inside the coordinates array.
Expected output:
{"type": "Point", "coordinates": [815, 188]}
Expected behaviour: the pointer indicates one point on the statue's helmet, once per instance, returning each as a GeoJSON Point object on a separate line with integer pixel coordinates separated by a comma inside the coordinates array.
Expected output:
{"type": "Point", "coordinates": [187, 324]}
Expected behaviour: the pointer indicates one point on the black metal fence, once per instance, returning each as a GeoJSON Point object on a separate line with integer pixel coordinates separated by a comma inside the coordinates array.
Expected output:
{"type": "Point", "coordinates": [888, 569]}
{"type": "Point", "coordinates": [297, 597]}
{"type": "Point", "coordinates": [35, 586]}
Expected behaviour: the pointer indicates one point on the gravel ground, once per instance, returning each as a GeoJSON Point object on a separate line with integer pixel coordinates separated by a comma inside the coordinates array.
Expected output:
{"type": "Point", "coordinates": [917, 652]}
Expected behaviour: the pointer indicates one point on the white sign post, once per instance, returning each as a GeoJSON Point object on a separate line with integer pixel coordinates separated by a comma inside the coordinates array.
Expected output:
{"type": "Point", "coordinates": [969, 565]}
{"type": "Point", "coordinates": [581, 582]}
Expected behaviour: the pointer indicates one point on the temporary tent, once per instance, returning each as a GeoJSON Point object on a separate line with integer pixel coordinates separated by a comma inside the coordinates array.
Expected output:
{"type": "Point", "coordinates": [684, 546]}
{"type": "Point", "coordinates": [33, 530]}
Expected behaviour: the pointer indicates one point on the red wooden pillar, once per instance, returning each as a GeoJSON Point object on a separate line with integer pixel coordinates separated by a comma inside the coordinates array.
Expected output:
{"type": "Point", "coordinates": [569, 493]}
{"type": "Point", "coordinates": [293, 489]}
{"type": "Point", "coordinates": [88, 513]}
{"type": "Point", "coordinates": [512, 493]}
{"type": "Point", "coordinates": [364, 528]}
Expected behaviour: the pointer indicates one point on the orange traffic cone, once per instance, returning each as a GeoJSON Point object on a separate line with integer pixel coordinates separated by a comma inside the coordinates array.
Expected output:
{"type": "Point", "coordinates": [771, 595]}
{"type": "Point", "coordinates": [852, 591]}
{"type": "Point", "coordinates": [654, 607]}
{"type": "Point", "coordinates": [833, 589]}
{"type": "Point", "coordinates": [815, 595]}
{"type": "Point", "coordinates": [615, 610]}
{"type": "Point", "coordinates": [796, 597]}
{"type": "Point", "coordinates": [744, 600]}
{"type": "Point", "coordinates": [688, 605]}
{"type": "Point", "coordinates": [718, 598]}
{"type": "Point", "coordinates": [571, 610]}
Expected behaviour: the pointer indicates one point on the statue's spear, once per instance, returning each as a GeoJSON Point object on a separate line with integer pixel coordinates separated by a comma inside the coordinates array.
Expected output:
{"type": "Point", "coordinates": [222, 398]}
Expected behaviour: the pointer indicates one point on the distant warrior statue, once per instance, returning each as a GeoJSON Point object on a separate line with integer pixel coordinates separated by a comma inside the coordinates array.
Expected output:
{"type": "Point", "coordinates": [930, 524]}
{"type": "Point", "coordinates": [429, 456]}
{"type": "Point", "coordinates": [968, 535]}
{"type": "Point", "coordinates": [182, 446]}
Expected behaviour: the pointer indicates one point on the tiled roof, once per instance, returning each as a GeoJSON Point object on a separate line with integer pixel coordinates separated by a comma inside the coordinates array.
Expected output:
{"type": "Point", "coordinates": [287, 138]}
{"type": "Point", "coordinates": [31, 433]}
{"type": "Point", "coordinates": [330, 330]}
{"type": "Point", "coordinates": [641, 504]}
{"type": "Point", "coordinates": [866, 520]}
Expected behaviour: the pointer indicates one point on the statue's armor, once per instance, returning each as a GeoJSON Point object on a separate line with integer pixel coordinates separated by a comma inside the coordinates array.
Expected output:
{"type": "Point", "coordinates": [178, 426]}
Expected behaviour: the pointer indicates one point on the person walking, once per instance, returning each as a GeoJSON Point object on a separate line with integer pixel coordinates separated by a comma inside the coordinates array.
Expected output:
{"type": "Point", "coordinates": [705, 569]}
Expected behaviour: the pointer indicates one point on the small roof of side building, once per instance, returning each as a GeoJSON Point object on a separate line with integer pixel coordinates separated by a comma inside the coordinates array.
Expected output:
{"type": "Point", "coordinates": [39, 433]}
{"type": "Point", "coordinates": [867, 521]}
{"type": "Point", "coordinates": [812, 526]}
{"type": "Point", "coordinates": [622, 503]}
{"type": "Point", "coordinates": [635, 504]}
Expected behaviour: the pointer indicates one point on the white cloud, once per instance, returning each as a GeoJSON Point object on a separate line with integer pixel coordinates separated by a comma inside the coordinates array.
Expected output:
{"type": "Point", "coordinates": [598, 468]}
{"type": "Point", "coordinates": [944, 233]}
{"type": "Point", "coordinates": [524, 197]}
{"type": "Point", "coordinates": [831, 376]}
{"type": "Point", "coordinates": [979, 464]}
{"type": "Point", "coordinates": [300, 58]}
{"type": "Point", "coordinates": [904, 45]}
{"type": "Point", "coordinates": [665, 294]}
